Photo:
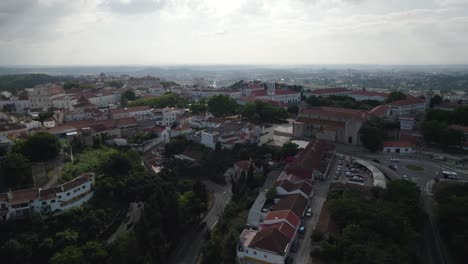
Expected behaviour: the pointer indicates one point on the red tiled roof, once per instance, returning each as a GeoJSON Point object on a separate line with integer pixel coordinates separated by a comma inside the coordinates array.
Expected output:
{"type": "Point", "coordinates": [397, 144]}
{"type": "Point", "coordinates": [335, 112]}
{"type": "Point", "coordinates": [24, 196]}
{"type": "Point", "coordinates": [310, 159]}
{"type": "Point", "coordinates": [284, 227]}
{"type": "Point", "coordinates": [286, 215]}
{"type": "Point", "coordinates": [294, 202]}
{"type": "Point", "coordinates": [243, 165]}
{"type": "Point", "coordinates": [462, 128]}
{"type": "Point", "coordinates": [379, 110]}
{"type": "Point", "coordinates": [329, 91]}
{"type": "Point", "coordinates": [280, 92]}
{"type": "Point", "coordinates": [271, 240]}
{"type": "Point", "coordinates": [370, 93]}
{"type": "Point", "coordinates": [320, 122]}
{"type": "Point", "coordinates": [408, 101]}
{"type": "Point", "coordinates": [289, 186]}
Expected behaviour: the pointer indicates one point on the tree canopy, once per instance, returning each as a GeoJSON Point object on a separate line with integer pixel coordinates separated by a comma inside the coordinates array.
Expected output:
{"type": "Point", "coordinates": [381, 226]}
{"type": "Point", "coordinates": [261, 112]}
{"type": "Point", "coordinates": [395, 96]}
{"type": "Point", "coordinates": [374, 131]}
{"type": "Point", "coordinates": [39, 147]}
{"type": "Point", "coordinates": [168, 99]}
{"type": "Point", "coordinates": [222, 105]}
{"type": "Point", "coordinates": [342, 101]}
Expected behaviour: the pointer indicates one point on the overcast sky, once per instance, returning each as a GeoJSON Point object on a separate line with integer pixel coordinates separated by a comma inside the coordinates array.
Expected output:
{"type": "Point", "coordinates": [103, 32]}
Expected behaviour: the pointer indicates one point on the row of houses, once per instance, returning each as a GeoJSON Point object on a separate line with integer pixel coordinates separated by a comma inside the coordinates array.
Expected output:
{"type": "Point", "coordinates": [17, 204]}
{"type": "Point", "coordinates": [273, 228]}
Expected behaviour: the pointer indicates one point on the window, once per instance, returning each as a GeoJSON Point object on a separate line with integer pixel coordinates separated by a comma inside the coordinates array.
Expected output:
{"type": "Point", "coordinates": [52, 201]}
{"type": "Point", "coordinates": [265, 256]}
{"type": "Point", "coordinates": [60, 196]}
{"type": "Point", "coordinates": [44, 203]}
{"type": "Point", "coordinates": [68, 194]}
{"type": "Point", "coordinates": [255, 252]}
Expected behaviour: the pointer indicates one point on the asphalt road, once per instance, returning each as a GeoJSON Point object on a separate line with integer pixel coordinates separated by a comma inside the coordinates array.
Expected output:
{"type": "Point", "coordinates": [190, 246]}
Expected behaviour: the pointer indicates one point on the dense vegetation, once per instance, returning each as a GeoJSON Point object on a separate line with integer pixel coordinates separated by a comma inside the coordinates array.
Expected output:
{"type": "Point", "coordinates": [16, 166]}
{"type": "Point", "coordinates": [342, 101]}
{"type": "Point", "coordinates": [435, 128]}
{"type": "Point", "coordinates": [167, 100]}
{"type": "Point", "coordinates": [18, 82]}
{"type": "Point", "coordinates": [222, 105]}
{"type": "Point", "coordinates": [381, 226]}
{"type": "Point", "coordinates": [395, 96]}
{"type": "Point", "coordinates": [78, 85]}
{"type": "Point", "coordinates": [78, 235]}
{"type": "Point", "coordinates": [261, 112]}
{"type": "Point", "coordinates": [452, 205]}
{"type": "Point", "coordinates": [375, 130]}
{"type": "Point", "coordinates": [459, 116]}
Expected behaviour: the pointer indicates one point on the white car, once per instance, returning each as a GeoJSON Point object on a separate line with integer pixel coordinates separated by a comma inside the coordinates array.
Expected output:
{"type": "Point", "coordinates": [309, 212]}
{"type": "Point", "coordinates": [405, 177]}
{"type": "Point", "coordinates": [394, 160]}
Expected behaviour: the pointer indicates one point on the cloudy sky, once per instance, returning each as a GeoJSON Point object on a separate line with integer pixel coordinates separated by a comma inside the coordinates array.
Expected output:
{"type": "Point", "coordinates": [103, 32]}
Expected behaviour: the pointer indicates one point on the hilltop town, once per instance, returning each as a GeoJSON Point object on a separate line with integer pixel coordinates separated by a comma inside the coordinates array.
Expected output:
{"type": "Point", "coordinates": [272, 171]}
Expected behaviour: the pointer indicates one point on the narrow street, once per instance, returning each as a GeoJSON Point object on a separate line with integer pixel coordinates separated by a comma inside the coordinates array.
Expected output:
{"type": "Point", "coordinates": [316, 203]}
{"type": "Point", "coordinates": [190, 246]}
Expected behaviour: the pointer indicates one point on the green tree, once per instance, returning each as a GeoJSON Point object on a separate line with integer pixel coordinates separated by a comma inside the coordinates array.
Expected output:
{"type": "Point", "coordinates": [395, 96]}
{"type": "Point", "coordinates": [41, 146]}
{"type": "Point", "coordinates": [221, 105]}
{"type": "Point", "coordinates": [69, 255]}
{"type": "Point", "coordinates": [128, 95]}
{"type": "Point", "coordinates": [289, 150]}
{"type": "Point", "coordinates": [436, 100]}
{"type": "Point", "coordinates": [260, 112]}
{"type": "Point", "coordinates": [271, 194]}
{"type": "Point", "coordinates": [17, 170]}
{"type": "Point", "coordinates": [94, 252]}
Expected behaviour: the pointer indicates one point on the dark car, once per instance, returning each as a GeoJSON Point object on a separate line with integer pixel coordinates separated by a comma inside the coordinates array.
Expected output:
{"type": "Point", "coordinates": [393, 167]}
{"type": "Point", "coordinates": [294, 246]}
{"type": "Point", "coordinates": [376, 160]}
{"type": "Point", "coordinates": [288, 260]}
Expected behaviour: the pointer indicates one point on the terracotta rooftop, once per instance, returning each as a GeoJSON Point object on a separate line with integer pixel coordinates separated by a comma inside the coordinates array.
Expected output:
{"type": "Point", "coordinates": [370, 93]}
{"type": "Point", "coordinates": [289, 186]}
{"type": "Point", "coordinates": [294, 202]}
{"type": "Point", "coordinates": [286, 215]}
{"type": "Point", "coordinates": [271, 240]}
{"type": "Point", "coordinates": [24, 196]}
{"type": "Point", "coordinates": [329, 91]}
{"type": "Point", "coordinates": [408, 101]}
{"type": "Point", "coordinates": [335, 112]}
{"type": "Point", "coordinates": [284, 227]}
{"type": "Point", "coordinates": [462, 128]}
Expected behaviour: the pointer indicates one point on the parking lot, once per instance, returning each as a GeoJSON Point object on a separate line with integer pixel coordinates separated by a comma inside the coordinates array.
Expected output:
{"type": "Point", "coordinates": [344, 170]}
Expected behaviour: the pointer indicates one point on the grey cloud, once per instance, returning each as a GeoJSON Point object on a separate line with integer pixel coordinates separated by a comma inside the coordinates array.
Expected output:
{"type": "Point", "coordinates": [29, 19]}
{"type": "Point", "coordinates": [133, 6]}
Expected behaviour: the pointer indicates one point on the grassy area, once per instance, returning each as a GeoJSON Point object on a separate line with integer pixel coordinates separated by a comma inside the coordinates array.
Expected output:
{"type": "Point", "coordinates": [414, 168]}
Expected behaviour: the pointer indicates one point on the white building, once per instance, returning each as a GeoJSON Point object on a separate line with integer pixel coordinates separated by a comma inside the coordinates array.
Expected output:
{"type": "Point", "coordinates": [49, 122]}
{"type": "Point", "coordinates": [42, 96]}
{"type": "Point", "coordinates": [407, 123]}
{"type": "Point", "coordinates": [404, 147]}
{"type": "Point", "coordinates": [406, 107]}
{"type": "Point", "coordinates": [272, 94]}
{"type": "Point", "coordinates": [32, 124]}
{"type": "Point", "coordinates": [167, 116]}
{"type": "Point", "coordinates": [139, 112]}
{"type": "Point", "coordinates": [42, 201]}
{"type": "Point", "coordinates": [368, 95]}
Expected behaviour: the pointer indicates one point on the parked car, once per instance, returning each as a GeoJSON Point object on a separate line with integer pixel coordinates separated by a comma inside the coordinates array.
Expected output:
{"type": "Point", "coordinates": [356, 179]}
{"type": "Point", "coordinates": [354, 170]}
{"type": "Point", "coordinates": [394, 160]}
{"type": "Point", "coordinates": [301, 230]}
{"type": "Point", "coordinates": [405, 177]}
{"type": "Point", "coordinates": [309, 212]}
{"type": "Point", "coordinates": [393, 167]}
{"type": "Point", "coordinates": [376, 160]}
{"type": "Point", "coordinates": [348, 173]}
{"type": "Point", "coordinates": [288, 260]}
